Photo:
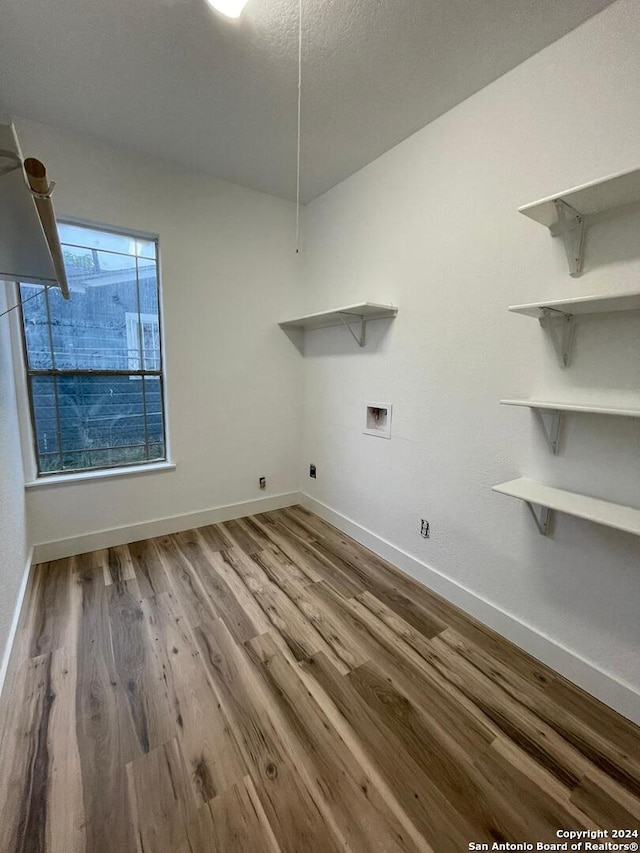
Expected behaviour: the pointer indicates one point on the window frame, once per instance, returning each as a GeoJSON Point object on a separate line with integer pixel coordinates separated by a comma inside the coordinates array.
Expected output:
{"type": "Point", "coordinates": [24, 376]}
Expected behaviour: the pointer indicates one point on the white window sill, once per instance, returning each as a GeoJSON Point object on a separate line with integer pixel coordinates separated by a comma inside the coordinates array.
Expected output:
{"type": "Point", "coordinates": [105, 473]}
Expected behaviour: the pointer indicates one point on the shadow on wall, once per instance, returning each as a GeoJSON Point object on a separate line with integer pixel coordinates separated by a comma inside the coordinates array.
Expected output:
{"type": "Point", "coordinates": [337, 341]}
{"type": "Point", "coordinates": [611, 238]}
{"type": "Point", "coordinates": [588, 612]}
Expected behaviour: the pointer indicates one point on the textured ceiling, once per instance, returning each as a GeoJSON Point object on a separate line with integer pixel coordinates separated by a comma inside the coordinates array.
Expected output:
{"type": "Point", "coordinates": [173, 78]}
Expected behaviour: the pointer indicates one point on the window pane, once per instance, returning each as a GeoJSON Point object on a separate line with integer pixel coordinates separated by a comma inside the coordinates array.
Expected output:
{"type": "Point", "coordinates": [146, 248]}
{"type": "Point", "coordinates": [46, 422]}
{"type": "Point", "coordinates": [89, 330]}
{"type": "Point", "coordinates": [149, 316]}
{"type": "Point", "coordinates": [91, 238]}
{"type": "Point", "coordinates": [94, 238]}
{"type": "Point", "coordinates": [49, 463]}
{"type": "Point", "coordinates": [98, 413]}
{"type": "Point", "coordinates": [36, 328]}
{"type": "Point", "coordinates": [102, 421]}
{"type": "Point", "coordinates": [155, 417]}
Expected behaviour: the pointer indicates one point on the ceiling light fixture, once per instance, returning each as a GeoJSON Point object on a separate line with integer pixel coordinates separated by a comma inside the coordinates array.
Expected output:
{"type": "Point", "coordinates": [230, 8]}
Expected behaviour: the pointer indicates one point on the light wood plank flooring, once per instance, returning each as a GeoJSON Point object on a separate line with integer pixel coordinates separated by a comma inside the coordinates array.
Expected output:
{"type": "Point", "coordinates": [270, 686]}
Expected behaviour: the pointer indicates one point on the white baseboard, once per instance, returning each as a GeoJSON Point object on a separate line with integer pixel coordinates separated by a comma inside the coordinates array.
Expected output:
{"type": "Point", "coordinates": [603, 685]}
{"type": "Point", "coordinates": [61, 548]}
{"type": "Point", "coordinates": [16, 618]}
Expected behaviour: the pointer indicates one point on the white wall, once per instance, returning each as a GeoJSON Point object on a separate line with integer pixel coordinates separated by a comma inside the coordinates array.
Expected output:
{"type": "Point", "coordinates": [234, 380]}
{"type": "Point", "coordinates": [13, 526]}
{"type": "Point", "coordinates": [432, 226]}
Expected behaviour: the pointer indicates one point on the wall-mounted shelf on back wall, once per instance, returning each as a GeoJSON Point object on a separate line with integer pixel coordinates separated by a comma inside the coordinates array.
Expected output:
{"type": "Point", "coordinates": [566, 214]}
{"type": "Point", "coordinates": [359, 314]}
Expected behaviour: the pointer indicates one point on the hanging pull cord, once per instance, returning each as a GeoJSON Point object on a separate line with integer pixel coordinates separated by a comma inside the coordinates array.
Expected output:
{"type": "Point", "coordinates": [299, 125]}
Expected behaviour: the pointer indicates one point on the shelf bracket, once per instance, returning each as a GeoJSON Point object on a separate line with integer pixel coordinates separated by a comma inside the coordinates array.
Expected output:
{"type": "Point", "coordinates": [570, 226]}
{"type": "Point", "coordinates": [552, 429]}
{"type": "Point", "coordinates": [543, 522]}
{"type": "Point", "coordinates": [561, 326]}
{"type": "Point", "coordinates": [359, 339]}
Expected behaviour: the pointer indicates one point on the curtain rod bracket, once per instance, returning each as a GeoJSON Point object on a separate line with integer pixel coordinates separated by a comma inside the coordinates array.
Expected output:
{"type": "Point", "coordinates": [46, 195]}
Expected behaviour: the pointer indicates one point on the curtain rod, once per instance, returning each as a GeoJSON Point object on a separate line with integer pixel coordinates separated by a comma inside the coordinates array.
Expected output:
{"type": "Point", "coordinates": [41, 191]}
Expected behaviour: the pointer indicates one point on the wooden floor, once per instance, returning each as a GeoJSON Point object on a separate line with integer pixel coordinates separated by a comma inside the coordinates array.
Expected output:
{"type": "Point", "coordinates": [270, 685]}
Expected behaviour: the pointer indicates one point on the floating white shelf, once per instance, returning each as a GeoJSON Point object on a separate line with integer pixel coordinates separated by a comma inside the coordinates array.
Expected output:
{"type": "Point", "coordinates": [565, 213]}
{"type": "Point", "coordinates": [604, 304]}
{"type": "Point", "coordinates": [557, 406]}
{"type": "Point", "coordinates": [588, 199]}
{"type": "Point", "coordinates": [556, 410]}
{"type": "Point", "coordinates": [557, 314]}
{"type": "Point", "coordinates": [572, 503]}
{"type": "Point", "coordinates": [350, 314]}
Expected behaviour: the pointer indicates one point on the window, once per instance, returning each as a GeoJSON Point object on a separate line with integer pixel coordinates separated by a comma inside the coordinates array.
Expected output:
{"type": "Point", "coordinates": [82, 354]}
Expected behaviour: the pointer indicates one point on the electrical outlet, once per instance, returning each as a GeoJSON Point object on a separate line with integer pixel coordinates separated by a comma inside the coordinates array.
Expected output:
{"type": "Point", "coordinates": [263, 482]}
{"type": "Point", "coordinates": [424, 528]}
{"type": "Point", "coordinates": [312, 471]}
